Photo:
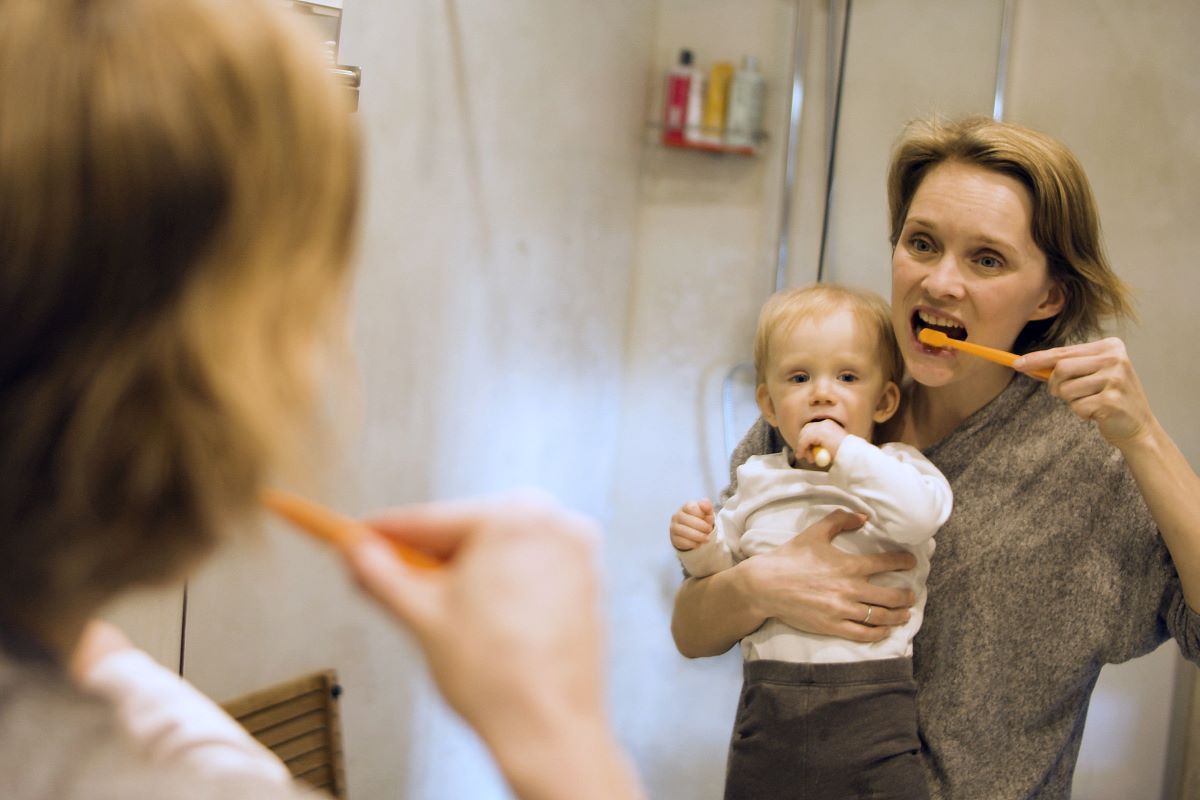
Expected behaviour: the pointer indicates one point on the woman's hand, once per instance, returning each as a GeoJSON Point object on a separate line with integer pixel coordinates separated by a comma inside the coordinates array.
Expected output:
{"type": "Point", "coordinates": [807, 583]}
{"type": "Point", "coordinates": [1098, 382]}
{"type": "Point", "coordinates": [811, 585]}
{"type": "Point", "coordinates": [511, 628]}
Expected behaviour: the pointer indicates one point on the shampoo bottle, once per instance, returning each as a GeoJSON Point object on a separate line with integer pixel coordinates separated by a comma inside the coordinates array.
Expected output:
{"type": "Point", "coordinates": [743, 121]}
{"type": "Point", "coordinates": [715, 95]}
{"type": "Point", "coordinates": [677, 92]}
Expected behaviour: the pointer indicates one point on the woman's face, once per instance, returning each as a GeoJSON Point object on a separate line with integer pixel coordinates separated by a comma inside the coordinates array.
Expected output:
{"type": "Point", "coordinates": [966, 264]}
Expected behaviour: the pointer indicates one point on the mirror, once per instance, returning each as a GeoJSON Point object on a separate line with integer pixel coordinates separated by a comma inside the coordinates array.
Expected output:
{"type": "Point", "coordinates": [544, 298]}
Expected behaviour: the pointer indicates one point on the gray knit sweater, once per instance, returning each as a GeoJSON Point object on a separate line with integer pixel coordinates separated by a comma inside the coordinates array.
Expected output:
{"type": "Point", "coordinates": [1049, 567]}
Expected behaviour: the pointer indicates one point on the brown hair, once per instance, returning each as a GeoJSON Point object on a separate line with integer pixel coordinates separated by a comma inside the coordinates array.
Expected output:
{"type": "Point", "coordinates": [178, 204]}
{"type": "Point", "coordinates": [787, 307]}
{"type": "Point", "coordinates": [1066, 226]}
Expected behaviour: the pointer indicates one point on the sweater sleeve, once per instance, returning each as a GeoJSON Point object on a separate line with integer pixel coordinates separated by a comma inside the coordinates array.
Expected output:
{"type": "Point", "coordinates": [908, 496]}
{"type": "Point", "coordinates": [1151, 607]}
{"type": "Point", "coordinates": [173, 723]}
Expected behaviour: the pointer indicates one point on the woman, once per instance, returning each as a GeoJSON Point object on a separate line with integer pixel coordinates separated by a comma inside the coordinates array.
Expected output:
{"type": "Point", "coordinates": [178, 196]}
{"type": "Point", "coordinates": [1051, 564]}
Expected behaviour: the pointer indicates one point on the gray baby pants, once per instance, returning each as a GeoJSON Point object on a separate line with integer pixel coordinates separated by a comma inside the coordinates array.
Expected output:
{"type": "Point", "coordinates": [826, 732]}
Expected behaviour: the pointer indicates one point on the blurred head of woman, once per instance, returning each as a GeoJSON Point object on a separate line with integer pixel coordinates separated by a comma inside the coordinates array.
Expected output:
{"type": "Point", "coordinates": [178, 204]}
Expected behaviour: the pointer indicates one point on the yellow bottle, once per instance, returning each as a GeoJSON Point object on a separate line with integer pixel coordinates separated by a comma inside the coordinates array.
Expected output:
{"type": "Point", "coordinates": [713, 123]}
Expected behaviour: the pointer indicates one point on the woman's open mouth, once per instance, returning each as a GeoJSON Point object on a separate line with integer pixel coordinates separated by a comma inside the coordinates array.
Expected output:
{"type": "Point", "coordinates": [922, 318]}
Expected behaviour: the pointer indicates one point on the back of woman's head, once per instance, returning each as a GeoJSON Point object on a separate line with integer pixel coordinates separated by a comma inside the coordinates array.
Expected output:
{"type": "Point", "coordinates": [1065, 225]}
{"type": "Point", "coordinates": [178, 195]}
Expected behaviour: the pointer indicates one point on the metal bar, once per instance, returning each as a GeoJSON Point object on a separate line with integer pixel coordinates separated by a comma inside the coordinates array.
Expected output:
{"type": "Point", "coordinates": [795, 109]}
{"type": "Point", "coordinates": [1006, 24]}
{"type": "Point", "coordinates": [839, 80]}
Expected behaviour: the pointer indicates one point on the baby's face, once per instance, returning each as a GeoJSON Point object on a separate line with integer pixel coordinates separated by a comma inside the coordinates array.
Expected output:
{"type": "Point", "coordinates": [824, 368]}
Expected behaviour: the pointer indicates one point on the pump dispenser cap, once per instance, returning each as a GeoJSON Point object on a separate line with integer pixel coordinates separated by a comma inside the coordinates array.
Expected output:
{"type": "Point", "coordinates": [685, 57]}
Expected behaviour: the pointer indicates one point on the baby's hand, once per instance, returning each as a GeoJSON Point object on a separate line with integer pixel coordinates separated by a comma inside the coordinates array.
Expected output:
{"type": "Point", "coordinates": [692, 524]}
{"type": "Point", "coordinates": [824, 433]}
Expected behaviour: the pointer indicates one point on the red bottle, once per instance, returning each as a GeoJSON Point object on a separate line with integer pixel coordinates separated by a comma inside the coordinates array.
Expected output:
{"type": "Point", "coordinates": [675, 98]}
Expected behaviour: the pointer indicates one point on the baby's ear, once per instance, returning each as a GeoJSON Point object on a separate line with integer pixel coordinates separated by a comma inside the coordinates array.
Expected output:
{"type": "Point", "coordinates": [889, 401]}
{"type": "Point", "coordinates": [765, 405]}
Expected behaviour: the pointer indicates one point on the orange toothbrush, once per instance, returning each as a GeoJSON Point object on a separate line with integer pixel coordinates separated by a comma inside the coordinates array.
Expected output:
{"type": "Point", "coordinates": [820, 456]}
{"type": "Point", "coordinates": [938, 339]}
{"type": "Point", "coordinates": [342, 532]}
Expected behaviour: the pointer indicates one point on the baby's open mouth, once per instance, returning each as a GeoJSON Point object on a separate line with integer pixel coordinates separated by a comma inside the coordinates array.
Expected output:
{"type": "Point", "coordinates": [926, 319]}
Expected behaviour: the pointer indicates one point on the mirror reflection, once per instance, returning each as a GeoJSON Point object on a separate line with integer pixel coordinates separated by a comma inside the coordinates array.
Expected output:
{"type": "Point", "coordinates": [547, 296]}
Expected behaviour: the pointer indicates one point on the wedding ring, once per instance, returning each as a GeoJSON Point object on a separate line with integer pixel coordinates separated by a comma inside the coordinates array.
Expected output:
{"type": "Point", "coordinates": [867, 618]}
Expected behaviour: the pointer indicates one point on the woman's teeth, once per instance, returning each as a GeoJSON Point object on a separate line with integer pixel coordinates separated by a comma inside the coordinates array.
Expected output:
{"type": "Point", "coordinates": [926, 319]}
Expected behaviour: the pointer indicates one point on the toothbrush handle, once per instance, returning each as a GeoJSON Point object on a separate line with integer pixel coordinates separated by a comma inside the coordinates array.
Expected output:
{"type": "Point", "coordinates": [996, 356]}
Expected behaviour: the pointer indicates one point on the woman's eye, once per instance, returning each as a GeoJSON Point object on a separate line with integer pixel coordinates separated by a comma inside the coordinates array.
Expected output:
{"type": "Point", "coordinates": [921, 245]}
{"type": "Point", "coordinates": [990, 262]}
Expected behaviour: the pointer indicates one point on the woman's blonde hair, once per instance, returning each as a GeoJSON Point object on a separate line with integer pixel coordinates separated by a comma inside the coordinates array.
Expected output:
{"type": "Point", "coordinates": [787, 307]}
{"type": "Point", "coordinates": [178, 200]}
{"type": "Point", "coordinates": [1066, 225]}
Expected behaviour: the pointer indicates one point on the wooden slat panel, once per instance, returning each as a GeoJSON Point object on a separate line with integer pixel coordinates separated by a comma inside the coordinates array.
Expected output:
{"type": "Point", "coordinates": [309, 760]}
{"type": "Point", "coordinates": [299, 720]}
{"type": "Point", "coordinates": [305, 723]}
{"type": "Point", "coordinates": [282, 712]}
{"type": "Point", "coordinates": [293, 748]}
{"type": "Point", "coordinates": [273, 695]}
{"type": "Point", "coordinates": [318, 777]}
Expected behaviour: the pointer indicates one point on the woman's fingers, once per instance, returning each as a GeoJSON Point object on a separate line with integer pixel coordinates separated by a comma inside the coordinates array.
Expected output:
{"type": "Point", "coordinates": [407, 593]}
{"type": "Point", "coordinates": [1098, 381]}
{"type": "Point", "coordinates": [875, 563]}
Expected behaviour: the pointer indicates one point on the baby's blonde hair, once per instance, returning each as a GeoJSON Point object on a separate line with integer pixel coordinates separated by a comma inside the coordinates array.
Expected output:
{"type": "Point", "coordinates": [787, 307]}
{"type": "Point", "coordinates": [179, 188]}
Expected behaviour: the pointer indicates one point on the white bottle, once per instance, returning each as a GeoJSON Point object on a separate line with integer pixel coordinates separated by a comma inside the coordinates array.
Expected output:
{"type": "Point", "coordinates": [743, 121]}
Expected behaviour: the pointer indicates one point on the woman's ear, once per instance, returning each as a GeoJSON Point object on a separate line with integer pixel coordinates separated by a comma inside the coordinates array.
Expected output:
{"type": "Point", "coordinates": [765, 405]}
{"type": "Point", "coordinates": [889, 401]}
{"type": "Point", "coordinates": [1052, 302]}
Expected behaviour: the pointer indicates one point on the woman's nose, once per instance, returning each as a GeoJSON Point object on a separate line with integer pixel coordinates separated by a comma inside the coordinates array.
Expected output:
{"type": "Point", "coordinates": [945, 279]}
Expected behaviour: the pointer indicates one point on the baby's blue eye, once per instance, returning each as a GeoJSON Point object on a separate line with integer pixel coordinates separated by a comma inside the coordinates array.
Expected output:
{"type": "Point", "coordinates": [847, 377]}
{"type": "Point", "coordinates": [799, 378]}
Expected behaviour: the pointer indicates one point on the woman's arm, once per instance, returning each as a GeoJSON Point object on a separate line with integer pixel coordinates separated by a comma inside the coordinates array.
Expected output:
{"type": "Point", "coordinates": [1098, 381]}
{"type": "Point", "coordinates": [807, 583]}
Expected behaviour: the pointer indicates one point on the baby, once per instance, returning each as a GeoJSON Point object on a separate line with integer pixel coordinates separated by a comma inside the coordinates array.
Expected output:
{"type": "Point", "coordinates": [829, 714]}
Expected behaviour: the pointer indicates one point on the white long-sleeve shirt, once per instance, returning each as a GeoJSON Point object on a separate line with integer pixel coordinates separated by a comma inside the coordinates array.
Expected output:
{"type": "Point", "coordinates": [904, 497]}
